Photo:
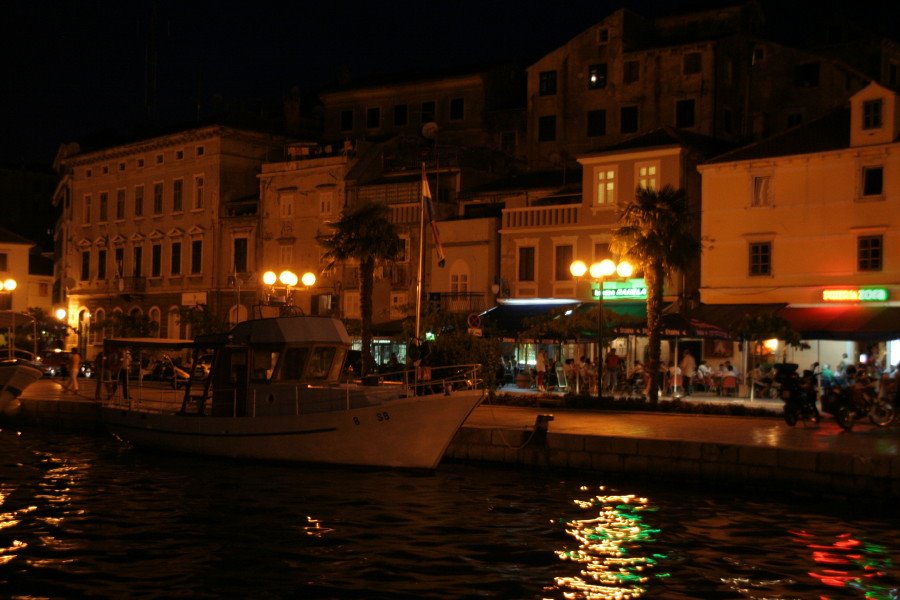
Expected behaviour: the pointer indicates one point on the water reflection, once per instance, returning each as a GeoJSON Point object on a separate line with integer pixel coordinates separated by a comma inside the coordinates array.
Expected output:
{"type": "Point", "coordinates": [842, 561]}
{"type": "Point", "coordinates": [614, 548]}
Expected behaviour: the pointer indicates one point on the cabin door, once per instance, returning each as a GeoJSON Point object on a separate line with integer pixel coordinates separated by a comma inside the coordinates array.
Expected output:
{"type": "Point", "coordinates": [230, 383]}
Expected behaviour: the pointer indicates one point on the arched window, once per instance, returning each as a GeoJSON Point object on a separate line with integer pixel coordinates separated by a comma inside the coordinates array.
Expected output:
{"type": "Point", "coordinates": [154, 316]}
{"type": "Point", "coordinates": [174, 324]}
{"type": "Point", "coordinates": [99, 329]}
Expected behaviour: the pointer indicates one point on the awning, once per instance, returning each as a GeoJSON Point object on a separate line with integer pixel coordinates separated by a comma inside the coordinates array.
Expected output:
{"type": "Point", "coordinates": [728, 316]}
{"type": "Point", "coordinates": [676, 325]}
{"type": "Point", "coordinates": [844, 322]}
{"type": "Point", "coordinates": [508, 318]}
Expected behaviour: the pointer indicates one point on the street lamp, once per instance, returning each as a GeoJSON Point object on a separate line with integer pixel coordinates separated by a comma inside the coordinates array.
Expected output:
{"type": "Point", "coordinates": [288, 281]}
{"type": "Point", "coordinates": [600, 271]}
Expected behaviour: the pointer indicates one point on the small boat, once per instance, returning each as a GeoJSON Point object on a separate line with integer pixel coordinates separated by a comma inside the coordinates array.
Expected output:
{"type": "Point", "coordinates": [15, 375]}
{"type": "Point", "coordinates": [274, 391]}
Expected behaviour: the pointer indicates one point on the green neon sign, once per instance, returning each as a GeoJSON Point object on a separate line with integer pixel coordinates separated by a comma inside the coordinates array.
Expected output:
{"type": "Point", "coordinates": [630, 289]}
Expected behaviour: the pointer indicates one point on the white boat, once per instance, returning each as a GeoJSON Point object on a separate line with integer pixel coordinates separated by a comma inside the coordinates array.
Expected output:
{"type": "Point", "coordinates": [274, 392]}
{"type": "Point", "coordinates": [15, 375]}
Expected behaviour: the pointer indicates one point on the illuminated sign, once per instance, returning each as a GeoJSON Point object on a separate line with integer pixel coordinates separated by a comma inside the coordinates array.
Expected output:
{"type": "Point", "coordinates": [630, 289]}
{"type": "Point", "coordinates": [855, 295]}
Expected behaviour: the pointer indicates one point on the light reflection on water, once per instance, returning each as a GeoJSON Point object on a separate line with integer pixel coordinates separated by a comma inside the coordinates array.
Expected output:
{"type": "Point", "coordinates": [83, 516]}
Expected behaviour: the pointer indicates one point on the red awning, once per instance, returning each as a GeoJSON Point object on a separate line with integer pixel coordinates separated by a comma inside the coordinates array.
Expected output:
{"type": "Point", "coordinates": [844, 322]}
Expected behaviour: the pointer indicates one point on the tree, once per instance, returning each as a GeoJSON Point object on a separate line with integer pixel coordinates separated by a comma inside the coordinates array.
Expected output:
{"type": "Point", "coordinates": [201, 320]}
{"type": "Point", "coordinates": [119, 324]}
{"type": "Point", "coordinates": [656, 232]}
{"type": "Point", "coordinates": [363, 233]}
{"type": "Point", "coordinates": [758, 328]}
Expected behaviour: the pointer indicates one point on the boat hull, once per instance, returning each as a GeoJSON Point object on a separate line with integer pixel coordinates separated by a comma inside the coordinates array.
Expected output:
{"type": "Point", "coordinates": [15, 376]}
{"type": "Point", "coordinates": [405, 433]}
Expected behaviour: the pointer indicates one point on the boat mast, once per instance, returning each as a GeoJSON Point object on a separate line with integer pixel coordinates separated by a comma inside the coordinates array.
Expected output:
{"type": "Point", "coordinates": [418, 338]}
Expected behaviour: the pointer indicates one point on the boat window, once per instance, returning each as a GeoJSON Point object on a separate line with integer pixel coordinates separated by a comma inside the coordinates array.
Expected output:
{"type": "Point", "coordinates": [292, 365]}
{"type": "Point", "coordinates": [320, 361]}
{"type": "Point", "coordinates": [264, 362]}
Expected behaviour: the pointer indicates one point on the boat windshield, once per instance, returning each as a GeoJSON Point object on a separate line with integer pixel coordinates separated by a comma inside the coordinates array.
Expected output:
{"type": "Point", "coordinates": [264, 361]}
{"type": "Point", "coordinates": [320, 362]}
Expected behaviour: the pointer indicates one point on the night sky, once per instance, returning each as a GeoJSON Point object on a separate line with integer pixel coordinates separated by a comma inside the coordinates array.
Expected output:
{"type": "Point", "coordinates": [71, 69]}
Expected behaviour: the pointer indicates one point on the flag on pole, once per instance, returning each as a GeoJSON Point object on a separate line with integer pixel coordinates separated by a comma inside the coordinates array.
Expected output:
{"type": "Point", "coordinates": [426, 200]}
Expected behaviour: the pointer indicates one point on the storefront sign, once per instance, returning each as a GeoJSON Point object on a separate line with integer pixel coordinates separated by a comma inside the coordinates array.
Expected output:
{"type": "Point", "coordinates": [630, 289]}
{"type": "Point", "coordinates": [855, 295]}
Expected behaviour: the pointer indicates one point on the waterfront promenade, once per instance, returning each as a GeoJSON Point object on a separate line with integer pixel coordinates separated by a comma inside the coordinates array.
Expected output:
{"type": "Point", "coordinates": [759, 451]}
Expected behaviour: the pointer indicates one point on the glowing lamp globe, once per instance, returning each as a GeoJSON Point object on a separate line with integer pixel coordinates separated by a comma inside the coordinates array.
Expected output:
{"type": "Point", "coordinates": [269, 278]}
{"type": "Point", "coordinates": [308, 279]}
{"type": "Point", "coordinates": [288, 278]}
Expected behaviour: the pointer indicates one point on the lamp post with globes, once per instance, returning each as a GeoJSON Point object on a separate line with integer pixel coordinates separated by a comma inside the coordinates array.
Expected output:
{"type": "Point", "coordinates": [599, 271]}
{"type": "Point", "coordinates": [288, 281]}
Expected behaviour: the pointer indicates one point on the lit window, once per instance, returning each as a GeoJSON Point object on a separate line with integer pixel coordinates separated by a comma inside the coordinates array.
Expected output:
{"type": "Point", "coordinates": [646, 176]}
{"type": "Point", "coordinates": [606, 187]}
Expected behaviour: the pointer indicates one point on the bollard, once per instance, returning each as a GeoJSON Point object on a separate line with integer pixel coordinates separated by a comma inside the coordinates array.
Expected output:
{"type": "Point", "coordinates": [541, 425]}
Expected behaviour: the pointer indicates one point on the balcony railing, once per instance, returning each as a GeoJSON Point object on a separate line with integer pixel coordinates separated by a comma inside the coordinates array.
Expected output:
{"type": "Point", "coordinates": [459, 302]}
{"type": "Point", "coordinates": [540, 216]}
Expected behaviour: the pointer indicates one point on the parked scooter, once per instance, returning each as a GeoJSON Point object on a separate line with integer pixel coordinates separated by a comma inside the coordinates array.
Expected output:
{"type": "Point", "coordinates": [856, 400]}
{"type": "Point", "coordinates": [797, 392]}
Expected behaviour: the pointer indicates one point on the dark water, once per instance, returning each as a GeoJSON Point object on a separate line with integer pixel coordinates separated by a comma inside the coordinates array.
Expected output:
{"type": "Point", "coordinates": [83, 516]}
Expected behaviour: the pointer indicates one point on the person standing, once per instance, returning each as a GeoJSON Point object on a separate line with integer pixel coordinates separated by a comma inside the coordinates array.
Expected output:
{"type": "Point", "coordinates": [612, 370]}
{"type": "Point", "coordinates": [540, 365]}
{"type": "Point", "coordinates": [124, 368]}
{"type": "Point", "coordinates": [71, 384]}
{"type": "Point", "coordinates": [688, 370]}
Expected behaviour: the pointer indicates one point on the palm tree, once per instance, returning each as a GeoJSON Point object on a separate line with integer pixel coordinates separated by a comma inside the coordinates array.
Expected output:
{"type": "Point", "coordinates": [366, 234]}
{"type": "Point", "coordinates": [656, 232]}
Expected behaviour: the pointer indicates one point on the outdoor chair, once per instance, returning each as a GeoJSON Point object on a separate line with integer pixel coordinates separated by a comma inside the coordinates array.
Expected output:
{"type": "Point", "coordinates": [729, 386]}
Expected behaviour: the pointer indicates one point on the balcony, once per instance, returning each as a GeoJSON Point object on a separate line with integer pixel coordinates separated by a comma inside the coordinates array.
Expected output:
{"type": "Point", "coordinates": [541, 216]}
{"type": "Point", "coordinates": [459, 302]}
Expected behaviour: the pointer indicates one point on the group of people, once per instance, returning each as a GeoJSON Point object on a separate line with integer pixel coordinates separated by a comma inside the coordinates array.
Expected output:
{"type": "Point", "coordinates": [113, 369]}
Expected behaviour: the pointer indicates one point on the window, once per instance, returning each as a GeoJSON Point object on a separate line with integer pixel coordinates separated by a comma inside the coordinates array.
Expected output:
{"type": "Point", "coordinates": [240, 255]}
{"type": "Point", "coordinates": [631, 71]}
{"type": "Point", "coordinates": [157, 198]}
{"type": "Point", "coordinates": [629, 119]}
{"type": "Point", "coordinates": [140, 163]}
{"type": "Point", "coordinates": [120, 205]}
{"type": "Point", "coordinates": [87, 210]}
{"type": "Point", "coordinates": [4, 261]}
{"type": "Point", "coordinates": [179, 155]}
{"type": "Point", "coordinates": [646, 176]}
{"type": "Point", "coordinates": [101, 264]}
{"type": "Point", "coordinates": [351, 304]}
{"type": "Point", "coordinates": [869, 252]}
{"type": "Point", "coordinates": [120, 260]}
{"type": "Point", "coordinates": [88, 173]}
{"type": "Point", "coordinates": [138, 263]}
{"type": "Point", "coordinates": [346, 120]}
{"type": "Point", "coordinates": [692, 63]}
{"type": "Point", "coordinates": [373, 118]}
{"type": "Point", "coordinates": [178, 195]}
{"type": "Point", "coordinates": [526, 263]}
{"type": "Point", "coordinates": [156, 260]}
{"type": "Point", "coordinates": [547, 83]}
{"type": "Point", "coordinates": [457, 109]}
{"type": "Point", "coordinates": [85, 265]}
{"type": "Point", "coordinates": [196, 256]}
{"type": "Point", "coordinates": [121, 166]}
{"type": "Point", "coordinates": [198, 192]}
{"type": "Point", "coordinates": [806, 75]}
{"type": "Point", "coordinates": [428, 111]}
{"type": "Point", "coordinates": [596, 123]}
{"type": "Point", "coordinates": [597, 76]}
{"type": "Point", "coordinates": [547, 128]}
{"type": "Point", "coordinates": [286, 206]}
{"type": "Point", "coordinates": [606, 187]}
{"type": "Point", "coordinates": [159, 159]}
{"type": "Point", "coordinates": [286, 254]}
{"type": "Point", "coordinates": [759, 54]}
{"type": "Point", "coordinates": [104, 207]}
{"type": "Point", "coordinates": [401, 115]}
{"type": "Point", "coordinates": [562, 260]}
{"type": "Point", "coordinates": [603, 36]}
{"type": "Point", "coordinates": [760, 259]}
{"type": "Point", "coordinates": [872, 114]}
{"type": "Point", "coordinates": [105, 169]}
{"type": "Point", "coordinates": [138, 200]}
{"type": "Point", "coordinates": [175, 259]}
{"type": "Point", "coordinates": [201, 150]}
{"type": "Point", "coordinates": [873, 181]}
{"type": "Point", "coordinates": [684, 114]}
{"type": "Point", "coordinates": [459, 283]}
{"type": "Point", "coordinates": [761, 194]}
{"type": "Point", "coordinates": [326, 202]}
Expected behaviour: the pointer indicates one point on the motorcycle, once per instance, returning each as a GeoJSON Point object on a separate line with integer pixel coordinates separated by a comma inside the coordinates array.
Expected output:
{"type": "Point", "coordinates": [856, 400]}
{"type": "Point", "coordinates": [797, 392]}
